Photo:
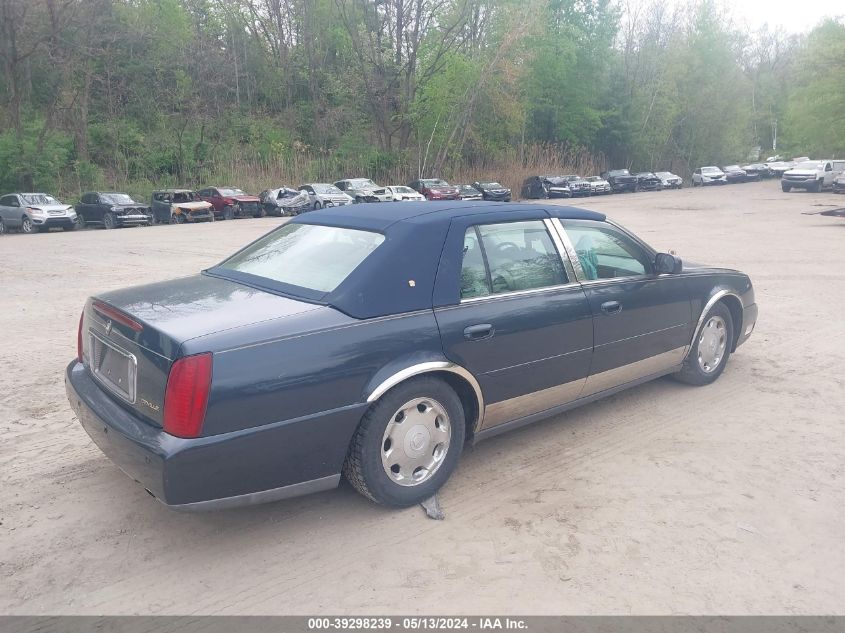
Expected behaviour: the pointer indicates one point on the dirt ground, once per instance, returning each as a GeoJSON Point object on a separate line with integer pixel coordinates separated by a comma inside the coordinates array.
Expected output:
{"type": "Point", "coordinates": [665, 499]}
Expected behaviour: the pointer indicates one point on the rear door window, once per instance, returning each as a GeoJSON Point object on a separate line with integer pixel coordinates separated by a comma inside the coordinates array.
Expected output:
{"type": "Point", "coordinates": [509, 257]}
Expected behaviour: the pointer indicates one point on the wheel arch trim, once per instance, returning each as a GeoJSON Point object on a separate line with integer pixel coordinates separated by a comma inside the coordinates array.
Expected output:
{"type": "Point", "coordinates": [429, 368]}
{"type": "Point", "coordinates": [714, 299]}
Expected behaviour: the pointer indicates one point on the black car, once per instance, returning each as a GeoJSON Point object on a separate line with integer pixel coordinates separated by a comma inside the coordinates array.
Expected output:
{"type": "Point", "coordinates": [620, 180]}
{"type": "Point", "coordinates": [756, 171]}
{"type": "Point", "coordinates": [537, 187]}
{"type": "Point", "coordinates": [111, 210]}
{"type": "Point", "coordinates": [468, 192]}
{"type": "Point", "coordinates": [376, 341]}
{"type": "Point", "coordinates": [649, 181]}
{"type": "Point", "coordinates": [578, 186]}
{"type": "Point", "coordinates": [734, 173]}
{"type": "Point", "coordinates": [491, 190]}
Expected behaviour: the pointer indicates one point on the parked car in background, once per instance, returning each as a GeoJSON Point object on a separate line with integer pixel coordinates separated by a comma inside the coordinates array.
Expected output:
{"type": "Point", "coordinates": [620, 180]}
{"type": "Point", "coordinates": [670, 180]}
{"type": "Point", "coordinates": [284, 201]}
{"type": "Point", "coordinates": [648, 181]}
{"type": "Point", "coordinates": [801, 159]}
{"type": "Point", "coordinates": [435, 189]}
{"type": "Point", "coordinates": [812, 175]}
{"type": "Point", "coordinates": [778, 168]}
{"type": "Point", "coordinates": [175, 206]}
{"type": "Point", "coordinates": [111, 209]}
{"type": "Point", "coordinates": [756, 171]}
{"type": "Point", "coordinates": [537, 187]}
{"type": "Point", "coordinates": [734, 174]}
{"type": "Point", "coordinates": [492, 190]}
{"type": "Point", "coordinates": [710, 175]}
{"type": "Point", "coordinates": [599, 186]}
{"type": "Point", "coordinates": [315, 358]}
{"type": "Point", "coordinates": [363, 190]}
{"type": "Point", "coordinates": [578, 186]}
{"type": "Point", "coordinates": [401, 193]}
{"type": "Point", "coordinates": [468, 192]}
{"type": "Point", "coordinates": [231, 202]}
{"type": "Point", "coordinates": [839, 184]}
{"type": "Point", "coordinates": [324, 194]}
{"type": "Point", "coordinates": [30, 212]}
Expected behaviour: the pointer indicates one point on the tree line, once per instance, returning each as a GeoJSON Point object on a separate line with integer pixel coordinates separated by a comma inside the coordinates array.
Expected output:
{"type": "Point", "coordinates": [182, 92]}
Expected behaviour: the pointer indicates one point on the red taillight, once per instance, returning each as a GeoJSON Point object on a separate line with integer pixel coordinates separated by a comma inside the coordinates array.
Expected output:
{"type": "Point", "coordinates": [187, 395]}
{"type": "Point", "coordinates": [79, 338]}
{"type": "Point", "coordinates": [116, 315]}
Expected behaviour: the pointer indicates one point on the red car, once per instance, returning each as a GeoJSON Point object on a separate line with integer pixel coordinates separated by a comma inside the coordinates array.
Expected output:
{"type": "Point", "coordinates": [231, 202]}
{"type": "Point", "coordinates": [436, 189]}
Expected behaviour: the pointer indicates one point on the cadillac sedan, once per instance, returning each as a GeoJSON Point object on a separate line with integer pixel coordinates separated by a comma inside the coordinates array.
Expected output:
{"type": "Point", "coordinates": [374, 342]}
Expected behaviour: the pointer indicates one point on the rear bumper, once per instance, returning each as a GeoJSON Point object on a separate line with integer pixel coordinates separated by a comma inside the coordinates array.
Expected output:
{"type": "Point", "coordinates": [256, 465]}
{"type": "Point", "coordinates": [749, 321]}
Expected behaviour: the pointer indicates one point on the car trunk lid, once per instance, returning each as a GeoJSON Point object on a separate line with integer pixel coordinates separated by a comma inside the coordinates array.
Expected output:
{"type": "Point", "coordinates": [131, 337]}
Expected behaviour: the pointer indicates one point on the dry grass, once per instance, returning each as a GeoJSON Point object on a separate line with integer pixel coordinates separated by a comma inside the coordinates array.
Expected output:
{"type": "Point", "coordinates": [254, 175]}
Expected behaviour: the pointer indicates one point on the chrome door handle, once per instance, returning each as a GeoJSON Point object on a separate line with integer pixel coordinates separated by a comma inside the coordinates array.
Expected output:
{"type": "Point", "coordinates": [611, 307]}
{"type": "Point", "coordinates": [478, 332]}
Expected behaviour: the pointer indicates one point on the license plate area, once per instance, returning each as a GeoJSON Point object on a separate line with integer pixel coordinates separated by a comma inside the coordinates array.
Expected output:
{"type": "Point", "coordinates": [113, 367]}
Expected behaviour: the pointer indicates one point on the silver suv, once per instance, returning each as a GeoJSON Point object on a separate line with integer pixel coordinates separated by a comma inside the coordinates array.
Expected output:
{"type": "Point", "coordinates": [30, 212]}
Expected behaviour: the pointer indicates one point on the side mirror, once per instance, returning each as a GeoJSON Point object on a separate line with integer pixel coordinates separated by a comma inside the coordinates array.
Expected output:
{"type": "Point", "coordinates": [666, 264]}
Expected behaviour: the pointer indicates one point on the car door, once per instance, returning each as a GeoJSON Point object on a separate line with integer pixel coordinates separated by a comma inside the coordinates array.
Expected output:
{"type": "Point", "coordinates": [519, 321]}
{"type": "Point", "coordinates": [10, 211]}
{"type": "Point", "coordinates": [642, 321]}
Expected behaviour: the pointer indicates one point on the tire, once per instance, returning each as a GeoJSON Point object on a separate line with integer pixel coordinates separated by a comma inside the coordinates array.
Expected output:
{"type": "Point", "coordinates": [262, 212]}
{"type": "Point", "coordinates": [817, 187]}
{"type": "Point", "coordinates": [2, 227]}
{"type": "Point", "coordinates": [228, 212]}
{"type": "Point", "coordinates": [180, 219]}
{"type": "Point", "coordinates": [703, 366]}
{"type": "Point", "coordinates": [318, 205]}
{"type": "Point", "coordinates": [358, 200]}
{"type": "Point", "coordinates": [368, 461]}
{"type": "Point", "coordinates": [108, 220]}
{"type": "Point", "coordinates": [785, 187]}
{"type": "Point", "coordinates": [26, 225]}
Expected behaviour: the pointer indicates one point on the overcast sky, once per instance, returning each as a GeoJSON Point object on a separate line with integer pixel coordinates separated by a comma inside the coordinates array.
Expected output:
{"type": "Point", "coordinates": [793, 16]}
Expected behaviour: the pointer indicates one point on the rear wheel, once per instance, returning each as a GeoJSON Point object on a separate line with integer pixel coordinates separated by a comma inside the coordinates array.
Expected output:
{"type": "Point", "coordinates": [407, 444]}
{"type": "Point", "coordinates": [80, 221]}
{"type": "Point", "coordinates": [2, 227]}
{"type": "Point", "coordinates": [712, 347]}
{"type": "Point", "coordinates": [26, 225]}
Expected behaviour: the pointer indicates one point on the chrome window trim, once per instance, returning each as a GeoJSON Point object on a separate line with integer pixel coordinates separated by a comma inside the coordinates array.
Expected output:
{"type": "Point", "coordinates": [721, 294]}
{"type": "Point", "coordinates": [561, 251]}
{"type": "Point", "coordinates": [426, 368]}
{"type": "Point", "coordinates": [512, 293]}
{"type": "Point", "coordinates": [570, 250]}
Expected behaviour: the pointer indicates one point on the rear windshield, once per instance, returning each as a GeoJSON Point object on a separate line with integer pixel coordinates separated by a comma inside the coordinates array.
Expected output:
{"type": "Point", "coordinates": [313, 257]}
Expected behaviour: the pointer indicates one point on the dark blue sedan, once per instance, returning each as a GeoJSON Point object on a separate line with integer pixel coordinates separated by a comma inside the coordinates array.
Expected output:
{"type": "Point", "coordinates": [376, 341]}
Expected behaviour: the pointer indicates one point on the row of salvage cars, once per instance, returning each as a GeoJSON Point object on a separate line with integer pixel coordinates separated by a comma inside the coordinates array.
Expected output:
{"type": "Point", "coordinates": [611, 181]}
{"type": "Point", "coordinates": [38, 212]}
{"type": "Point", "coordinates": [800, 173]}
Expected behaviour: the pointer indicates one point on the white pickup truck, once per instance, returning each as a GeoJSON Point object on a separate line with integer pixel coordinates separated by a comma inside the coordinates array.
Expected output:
{"type": "Point", "coordinates": [812, 175]}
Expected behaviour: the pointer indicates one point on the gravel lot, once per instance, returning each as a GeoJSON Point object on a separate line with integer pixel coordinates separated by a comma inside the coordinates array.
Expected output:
{"type": "Point", "coordinates": [663, 499]}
